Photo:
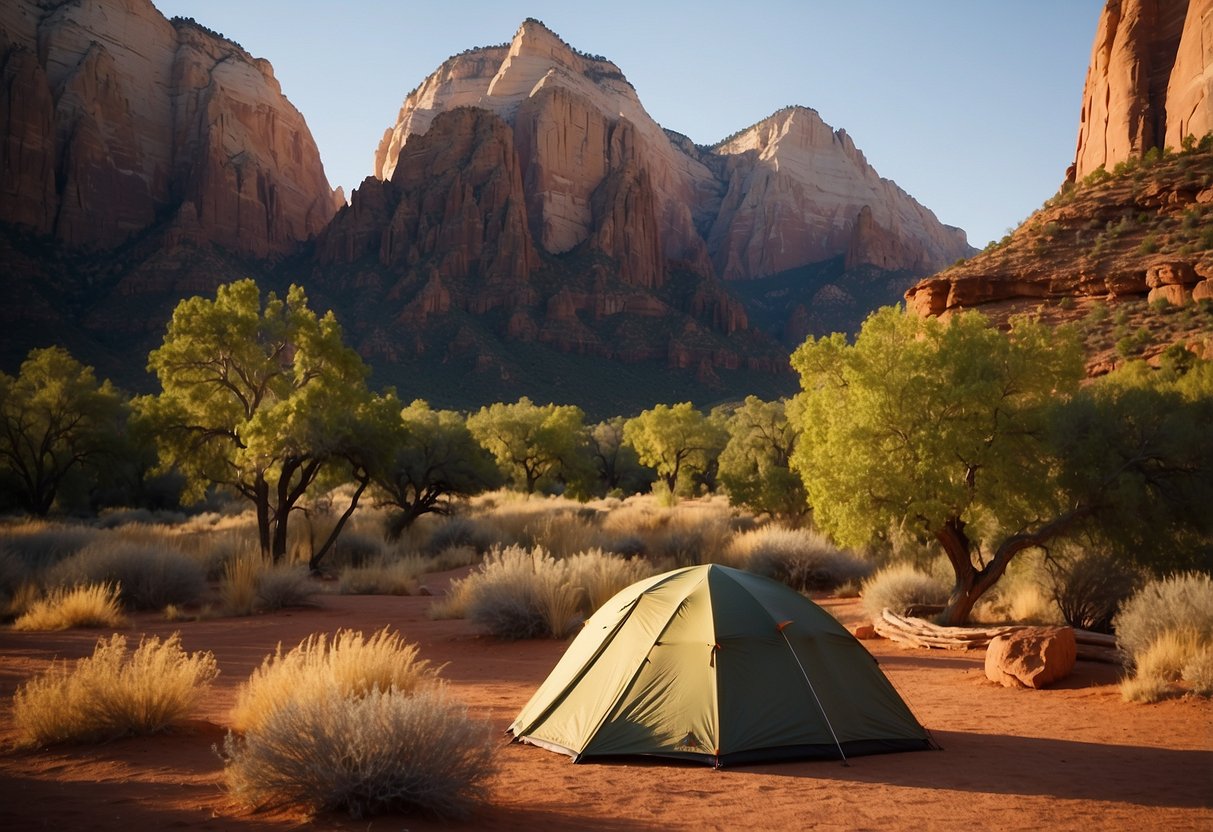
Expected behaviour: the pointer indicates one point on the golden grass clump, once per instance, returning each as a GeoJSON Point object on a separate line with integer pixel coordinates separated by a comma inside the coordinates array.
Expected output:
{"type": "Point", "coordinates": [383, 751]}
{"type": "Point", "coordinates": [803, 559]}
{"type": "Point", "coordinates": [89, 605]}
{"type": "Point", "coordinates": [355, 664]}
{"type": "Point", "coordinates": [112, 694]}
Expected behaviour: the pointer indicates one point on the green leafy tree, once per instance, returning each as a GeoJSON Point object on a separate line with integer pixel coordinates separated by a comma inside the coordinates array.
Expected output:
{"type": "Point", "coordinates": [755, 465]}
{"type": "Point", "coordinates": [431, 458]}
{"type": "Point", "coordinates": [57, 421]}
{"type": "Point", "coordinates": [534, 444]}
{"type": "Point", "coordinates": [677, 441]}
{"type": "Point", "coordinates": [255, 398]}
{"type": "Point", "coordinates": [983, 441]}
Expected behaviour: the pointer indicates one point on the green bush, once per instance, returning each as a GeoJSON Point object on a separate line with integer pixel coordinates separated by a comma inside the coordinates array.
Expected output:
{"type": "Point", "coordinates": [899, 587]}
{"type": "Point", "coordinates": [110, 695]}
{"type": "Point", "coordinates": [151, 577]}
{"type": "Point", "coordinates": [382, 752]}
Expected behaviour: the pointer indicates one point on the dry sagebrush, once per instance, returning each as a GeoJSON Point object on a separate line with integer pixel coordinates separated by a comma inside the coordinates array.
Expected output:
{"type": "Point", "coordinates": [1166, 630]}
{"type": "Point", "coordinates": [803, 559]}
{"type": "Point", "coordinates": [519, 593]}
{"type": "Point", "coordinates": [113, 694]}
{"type": "Point", "coordinates": [900, 586]}
{"type": "Point", "coordinates": [355, 664]}
{"type": "Point", "coordinates": [382, 751]}
{"type": "Point", "coordinates": [152, 576]}
{"type": "Point", "coordinates": [252, 584]}
{"type": "Point", "coordinates": [90, 605]}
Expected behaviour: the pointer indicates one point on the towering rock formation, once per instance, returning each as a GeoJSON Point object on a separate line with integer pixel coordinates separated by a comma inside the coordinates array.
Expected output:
{"type": "Point", "coordinates": [1139, 233]}
{"type": "Point", "coordinates": [1149, 83]}
{"type": "Point", "coordinates": [596, 168]}
{"type": "Point", "coordinates": [113, 119]}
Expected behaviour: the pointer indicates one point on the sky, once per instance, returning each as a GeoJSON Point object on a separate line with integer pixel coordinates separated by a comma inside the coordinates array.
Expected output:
{"type": "Point", "coordinates": [971, 106]}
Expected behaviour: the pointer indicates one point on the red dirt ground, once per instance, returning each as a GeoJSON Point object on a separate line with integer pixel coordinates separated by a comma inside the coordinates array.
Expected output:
{"type": "Point", "coordinates": [1072, 757]}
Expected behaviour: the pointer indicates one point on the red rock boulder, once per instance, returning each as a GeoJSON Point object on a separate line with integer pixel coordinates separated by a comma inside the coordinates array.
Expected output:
{"type": "Point", "coordinates": [1033, 657]}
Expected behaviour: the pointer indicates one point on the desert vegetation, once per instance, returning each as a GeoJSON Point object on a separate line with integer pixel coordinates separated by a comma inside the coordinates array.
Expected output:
{"type": "Point", "coordinates": [933, 465]}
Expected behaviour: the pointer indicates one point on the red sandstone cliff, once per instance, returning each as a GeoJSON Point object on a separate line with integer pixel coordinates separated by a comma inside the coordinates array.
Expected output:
{"type": "Point", "coordinates": [1149, 83]}
{"type": "Point", "coordinates": [114, 119]}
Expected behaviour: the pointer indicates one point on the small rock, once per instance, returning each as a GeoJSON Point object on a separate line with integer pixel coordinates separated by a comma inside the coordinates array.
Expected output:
{"type": "Point", "coordinates": [866, 632]}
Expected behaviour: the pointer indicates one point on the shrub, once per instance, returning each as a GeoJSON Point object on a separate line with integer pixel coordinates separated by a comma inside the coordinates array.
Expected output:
{"type": "Point", "coordinates": [151, 577]}
{"type": "Point", "coordinates": [384, 577]}
{"type": "Point", "coordinates": [284, 586]}
{"type": "Point", "coordinates": [1161, 665]}
{"type": "Point", "coordinates": [1090, 589]}
{"type": "Point", "coordinates": [600, 575]}
{"type": "Point", "coordinates": [1198, 672]}
{"type": "Point", "coordinates": [41, 547]}
{"type": "Point", "coordinates": [356, 665]}
{"type": "Point", "coordinates": [94, 605]}
{"type": "Point", "coordinates": [507, 594]}
{"type": "Point", "coordinates": [899, 587]}
{"type": "Point", "coordinates": [251, 584]}
{"type": "Point", "coordinates": [1177, 603]}
{"type": "Point", "coordinates": [804, 560]}
{"type": "Point", "coordinates": [460, 532]}
{"type": "Point", "coordinates": [110, 695]}
{"type": "Point", "coordinates": [385, 751]}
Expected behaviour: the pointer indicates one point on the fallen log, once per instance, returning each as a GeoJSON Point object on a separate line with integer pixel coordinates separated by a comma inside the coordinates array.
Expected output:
{"type": "Point", "coordinates": [919, 632]}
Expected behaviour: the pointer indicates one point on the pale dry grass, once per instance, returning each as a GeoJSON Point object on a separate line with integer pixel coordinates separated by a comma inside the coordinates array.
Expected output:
{"type": "Point", "coordinates": [87, 605]}
{"type": "Point", "coordinates": [383, 751]}
{"type": "Point", "coordinates": [113, 694]}
{"type": "Point", "coordinates": [355, 664]}
{"type": "Point", "coordinates": [601, 575]}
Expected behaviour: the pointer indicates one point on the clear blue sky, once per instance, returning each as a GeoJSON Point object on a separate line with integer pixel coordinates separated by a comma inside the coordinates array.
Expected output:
{"type": "Point", "coordinates": [970, 105]}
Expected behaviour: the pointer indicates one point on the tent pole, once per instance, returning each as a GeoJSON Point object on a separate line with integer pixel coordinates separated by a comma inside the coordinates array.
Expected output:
{"type": "Point", "coordinates": [813, 690]}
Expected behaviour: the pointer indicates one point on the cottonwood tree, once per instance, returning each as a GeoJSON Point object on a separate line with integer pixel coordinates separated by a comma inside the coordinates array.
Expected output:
{"type": "Point", "coordinates": [256, 398]}
{"type": "Point", "coordinates": [677, 441]}
{"type": "Point", "coordinates": [55, 421]}
{"type": "Point", "coordinates": [430, 457]}
{"type": "Point", "coordinates": [755, 465]}
{"type": "Point", "coordinates": [982, 441]}
{"type": "Point", "coordinates": [532, 443]}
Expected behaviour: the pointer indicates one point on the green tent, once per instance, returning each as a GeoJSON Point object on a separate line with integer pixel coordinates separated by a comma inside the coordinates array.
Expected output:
{"type": "Point", "coordinates": [717, 665]}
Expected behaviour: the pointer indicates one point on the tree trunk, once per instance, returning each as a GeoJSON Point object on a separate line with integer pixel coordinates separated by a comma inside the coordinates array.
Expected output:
{"type": "Point", "coordinates": [314, 563]}
{"type": "Point", "coordinates": [261, 501]}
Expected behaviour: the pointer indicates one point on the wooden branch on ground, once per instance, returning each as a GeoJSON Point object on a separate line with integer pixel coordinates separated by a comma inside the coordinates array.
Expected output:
{"type": "Point", "coordinates": [919, 632]}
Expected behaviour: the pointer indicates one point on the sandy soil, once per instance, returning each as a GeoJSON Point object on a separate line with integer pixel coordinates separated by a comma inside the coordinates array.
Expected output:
{"type": "Point", "coordinates": [1073, 757]}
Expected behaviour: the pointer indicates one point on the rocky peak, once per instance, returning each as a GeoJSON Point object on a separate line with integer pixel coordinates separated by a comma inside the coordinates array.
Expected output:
{"type": "Point", "coordinates": [1149, 82]}
{"type": "Point", "coordinates": [796, 193]}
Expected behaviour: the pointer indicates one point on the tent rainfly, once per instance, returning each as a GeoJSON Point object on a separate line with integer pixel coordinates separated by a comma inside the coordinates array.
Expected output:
{"type": "Point", "coordinates": [721, 666]}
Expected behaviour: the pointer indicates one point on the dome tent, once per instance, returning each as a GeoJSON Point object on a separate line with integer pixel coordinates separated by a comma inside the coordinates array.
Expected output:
{"type": "Point", "coordinates": [718, 665]}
